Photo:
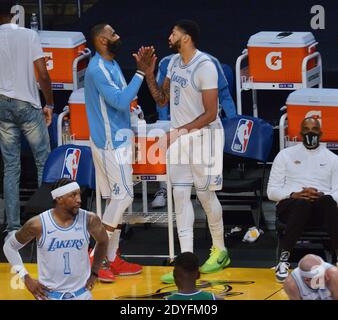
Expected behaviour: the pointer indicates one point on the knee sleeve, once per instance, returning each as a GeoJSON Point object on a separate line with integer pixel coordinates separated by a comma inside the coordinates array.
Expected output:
{"type": "Point", "coordinates": [114, 211]}
{"type": "Point", "coordinates": [184, 217]}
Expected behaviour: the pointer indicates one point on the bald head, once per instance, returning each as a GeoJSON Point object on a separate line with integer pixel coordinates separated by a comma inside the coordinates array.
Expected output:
{"type": "Point", "coordinates": [311, 132]}
{"type": "Point", "coordinates": [98, 30]}
{"type": "Point", "coordinates": [309, 261]}
{"type": "Point", "coordinates": [310, 121]}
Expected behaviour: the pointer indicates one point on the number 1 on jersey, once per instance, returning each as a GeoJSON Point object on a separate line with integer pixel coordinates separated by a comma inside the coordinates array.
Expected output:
{"type": "Point", "coordinates": [67, 264]}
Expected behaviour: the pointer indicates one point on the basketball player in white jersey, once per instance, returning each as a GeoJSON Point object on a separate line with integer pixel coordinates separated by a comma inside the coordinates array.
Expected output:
{"type": "Point", "coordinates": [314, 279]}
{"type": "Point", "coordinates": [62, 236]}
{"type": "Point", "coordinates": [191, 88]}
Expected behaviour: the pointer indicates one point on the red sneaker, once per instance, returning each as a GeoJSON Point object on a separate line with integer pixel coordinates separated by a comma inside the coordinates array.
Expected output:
{"type": "Point", "coordinates": [123, 268]}
{"type": "Point", "coordinates": [105, 274]}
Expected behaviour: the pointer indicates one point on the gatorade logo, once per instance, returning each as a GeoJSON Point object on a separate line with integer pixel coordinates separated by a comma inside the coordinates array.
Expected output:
{"type": "Point", "coordinates": [316, 114]}
{"type": "Point", "coordinates": [274, 60]}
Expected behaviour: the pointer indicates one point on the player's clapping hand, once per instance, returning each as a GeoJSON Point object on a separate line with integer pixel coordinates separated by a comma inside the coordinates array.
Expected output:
{"type": "Point", "coordinates": [146, 60]}
{"type": "Point", "coordinates": [38, 290]}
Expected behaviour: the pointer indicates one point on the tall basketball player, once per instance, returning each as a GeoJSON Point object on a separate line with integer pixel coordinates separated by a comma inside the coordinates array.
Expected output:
{"type": "Point", "coordinates": [191, 88]}
{"type": "Point", "coordinates": [62, 236]}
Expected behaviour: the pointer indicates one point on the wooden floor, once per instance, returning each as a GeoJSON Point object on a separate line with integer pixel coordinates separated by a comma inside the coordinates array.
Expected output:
{"type": "Point", "coordinates": [231, 283]}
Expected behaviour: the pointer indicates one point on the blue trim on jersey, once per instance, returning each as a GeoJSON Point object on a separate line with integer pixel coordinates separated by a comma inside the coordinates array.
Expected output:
{"type": "Point", "coordinates": [57, 295]}
{"type": "Point", "coordinates": [43, 236]}
{"type": "Point", "coordinates": [85, 229]}
{"type": "Point", "coordinates": [108, 101]}
{"type": "Point", "coordinates": [123, 176]}
{"type": "Point", "coordinates": [61, 228]}
{"type": "Point", "coordinates": [205, 188]}
{"type": "Point", "coordinates": [103, 154]}
{"type": "Point", "coordinates": [193, 73]}
{"type": "Point", "coordinates": [184, 66]}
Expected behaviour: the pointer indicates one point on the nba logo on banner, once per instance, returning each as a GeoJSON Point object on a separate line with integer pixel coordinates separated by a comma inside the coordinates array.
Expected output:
{"type": "Point", "coordinates": [242, 136]}
{"type": "Point", "coordinates": [71, 163]}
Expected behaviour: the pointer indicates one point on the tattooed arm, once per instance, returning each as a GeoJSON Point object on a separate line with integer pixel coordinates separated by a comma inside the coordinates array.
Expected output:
{"type": "Point", "coordinates": [160, 95]}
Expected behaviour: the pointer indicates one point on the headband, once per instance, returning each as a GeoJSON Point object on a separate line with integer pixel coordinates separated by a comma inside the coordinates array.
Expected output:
{"type": "Point", "coordinates": [318, 271]}
{"type": "Point", "coordinates": [59, 192]}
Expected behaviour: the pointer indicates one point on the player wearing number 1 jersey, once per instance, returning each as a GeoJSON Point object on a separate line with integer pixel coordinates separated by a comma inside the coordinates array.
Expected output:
{"type": "Point", "coordinates": [62, 235]}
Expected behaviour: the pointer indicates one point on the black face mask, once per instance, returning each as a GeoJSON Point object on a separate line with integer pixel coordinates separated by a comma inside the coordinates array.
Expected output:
{"type": "Point", "coordinates": [311, 140]}
{"type": "Point", "coordinates": [114, 46]}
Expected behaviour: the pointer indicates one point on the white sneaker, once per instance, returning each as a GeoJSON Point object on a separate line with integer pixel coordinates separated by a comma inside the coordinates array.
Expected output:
{"type": "Point", "coordinates": [252, 235]}
{"type": "Point", "coordinates": [282, 271]}
{"type": "Point", "coordinates": [160, 199]}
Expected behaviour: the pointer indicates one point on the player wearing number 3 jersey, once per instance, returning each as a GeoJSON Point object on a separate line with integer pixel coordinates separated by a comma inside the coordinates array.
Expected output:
{"type": "Point", "coordinates": [196, 140]}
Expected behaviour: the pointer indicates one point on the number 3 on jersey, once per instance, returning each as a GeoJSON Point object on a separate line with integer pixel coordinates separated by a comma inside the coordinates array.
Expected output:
{"type": "Point", "coordinates": [177, 92]}
{"type": "Point", "coordinates": [67, 264]}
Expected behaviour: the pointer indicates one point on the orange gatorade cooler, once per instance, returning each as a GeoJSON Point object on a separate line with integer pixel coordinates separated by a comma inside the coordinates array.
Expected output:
{"type": "Point", "coordinates": [278, 56]}
{"type": "Point", "coordinates": [78, 117]}
{"type": "Point", "coordinates": [313, 102]}
{"type": "Point", "coordinates": [61, 48]}
{"type": "Point", "coordinates": [148, 157]}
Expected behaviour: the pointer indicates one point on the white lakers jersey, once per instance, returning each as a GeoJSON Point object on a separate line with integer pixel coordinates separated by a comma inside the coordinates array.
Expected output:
{"type": "Point", "coordinates": [186, 84]}
{"type": "Point", "coordinates": [62, 254]}
{"type": "Point", "coordinates": [306, 292]}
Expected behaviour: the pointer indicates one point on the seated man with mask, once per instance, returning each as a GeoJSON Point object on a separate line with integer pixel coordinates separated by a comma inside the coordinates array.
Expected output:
{"type": "Point", "coordinates": [314, 279]}
{"type": "Point", "coordinates": [304, 183]}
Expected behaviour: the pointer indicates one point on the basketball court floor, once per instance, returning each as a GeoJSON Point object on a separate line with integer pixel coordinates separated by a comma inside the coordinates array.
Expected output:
{"type": "Point", "coordinates": [231, 284]}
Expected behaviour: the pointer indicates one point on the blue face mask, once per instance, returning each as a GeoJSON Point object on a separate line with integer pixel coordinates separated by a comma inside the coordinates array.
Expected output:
{"type": "Point", "coordinates": [311, 140]}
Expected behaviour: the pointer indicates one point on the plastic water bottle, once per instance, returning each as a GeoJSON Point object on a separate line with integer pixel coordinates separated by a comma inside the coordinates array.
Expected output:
{"type": "Point", "coordinates": [66, 136]}
{"type": "Point", "coordinates": [34, 22]}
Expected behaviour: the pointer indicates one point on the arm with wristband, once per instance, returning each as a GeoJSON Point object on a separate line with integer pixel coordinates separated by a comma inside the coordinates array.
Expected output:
{"type": "Point", "coordinates": [31, 229]}
{"type": "Point", "coordinates": [116, 97]}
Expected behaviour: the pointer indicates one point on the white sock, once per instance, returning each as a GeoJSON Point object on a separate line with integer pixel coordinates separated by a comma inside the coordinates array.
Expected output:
{"type": "Point", "coordinates": [214, 212]}
{"type": "Point", "coordinates": [184, 218]}
{"type": "Point", "coordinates": [113, 244]}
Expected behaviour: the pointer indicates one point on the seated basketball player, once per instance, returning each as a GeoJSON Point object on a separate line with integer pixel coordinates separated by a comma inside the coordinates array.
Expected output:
{"type": "Point", "coordinates": [186, 273]}
{"type": "Point", "coordinates": [62, 236]}
{"type": "Point", "coordinates": [314, 279]}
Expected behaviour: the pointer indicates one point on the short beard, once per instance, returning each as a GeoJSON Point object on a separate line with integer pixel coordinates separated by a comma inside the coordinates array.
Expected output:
{"type": "Point", "coordinates": [175, 47]}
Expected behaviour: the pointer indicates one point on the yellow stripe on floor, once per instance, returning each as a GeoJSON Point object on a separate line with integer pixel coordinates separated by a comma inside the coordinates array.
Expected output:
{"type": "Point", "coordinates": [230, 283]}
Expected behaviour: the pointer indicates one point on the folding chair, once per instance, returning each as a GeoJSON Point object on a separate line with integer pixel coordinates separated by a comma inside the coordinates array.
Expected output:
{"type": "Point", "coordinates": [248, 143]}
{"type": "Point", "coordinates": [67, 161]}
